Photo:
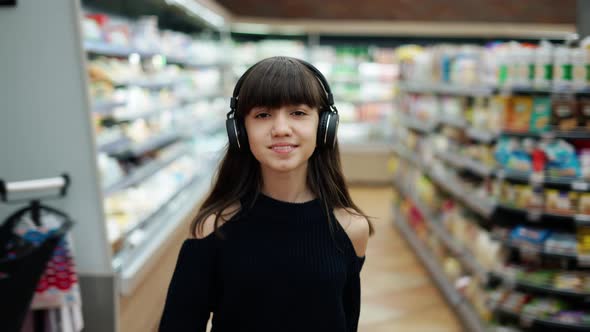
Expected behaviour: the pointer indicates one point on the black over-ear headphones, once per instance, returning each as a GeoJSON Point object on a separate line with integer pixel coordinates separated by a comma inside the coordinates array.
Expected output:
{"type": "Point", "coordinates": [328, 124]}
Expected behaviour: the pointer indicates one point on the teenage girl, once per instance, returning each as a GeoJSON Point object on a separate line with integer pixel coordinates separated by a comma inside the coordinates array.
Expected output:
{"type": "Point", "coordinates": [278, 244]}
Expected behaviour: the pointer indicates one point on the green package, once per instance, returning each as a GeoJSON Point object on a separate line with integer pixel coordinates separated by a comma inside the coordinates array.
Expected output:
{"type": "Point", "coordinates": [541, 116]}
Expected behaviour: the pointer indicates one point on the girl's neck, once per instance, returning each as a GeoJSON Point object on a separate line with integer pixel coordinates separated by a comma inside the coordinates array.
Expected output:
{"type": "Point", "coordinates": [287, 187]}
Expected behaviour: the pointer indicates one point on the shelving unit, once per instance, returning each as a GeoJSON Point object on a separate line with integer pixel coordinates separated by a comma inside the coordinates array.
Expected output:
{"type": "Point", "coordinates": [440, 163]}
{"type": "Point", "coordinates": [468, 316]}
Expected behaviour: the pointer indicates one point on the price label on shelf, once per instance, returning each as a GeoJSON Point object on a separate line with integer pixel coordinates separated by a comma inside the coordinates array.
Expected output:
{"type": "Point", "coordinates": [534, 214]}
{"type": "Point", "coordinates": [580, 186]}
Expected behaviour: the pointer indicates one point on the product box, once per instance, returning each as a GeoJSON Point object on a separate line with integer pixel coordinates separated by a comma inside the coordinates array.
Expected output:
{"type": "Point", "coordinates": [561, 201]}
{"type": "Point", "coordinates": [519, 113]}
{"type": "Point", "coordinates": [584, 203]}
{"type": "Point", "coordinates": [541, 115]}
{"type": "Point", "coordinates": [564, 116]}
{"type": "Point", "coordinates": [584, 112]}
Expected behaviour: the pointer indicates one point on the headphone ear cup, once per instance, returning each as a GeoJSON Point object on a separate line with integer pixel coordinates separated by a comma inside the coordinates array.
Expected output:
{"type": "Point", "coordinates": [236, 134]}
{"type": "Point", "coordinates": [232, 134]}
{"type": "Point", "coordinates": [327, 129]}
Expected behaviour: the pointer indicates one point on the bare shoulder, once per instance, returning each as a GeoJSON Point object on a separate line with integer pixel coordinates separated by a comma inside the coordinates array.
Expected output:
{"type": "Point", "coordinates": [209, 223]}
{"type": "Point", "coordinates": [356, 227]}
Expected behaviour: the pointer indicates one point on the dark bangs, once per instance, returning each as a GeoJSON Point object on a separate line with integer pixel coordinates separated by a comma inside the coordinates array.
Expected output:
{"type": "Point", "coordinates": [277, 82]}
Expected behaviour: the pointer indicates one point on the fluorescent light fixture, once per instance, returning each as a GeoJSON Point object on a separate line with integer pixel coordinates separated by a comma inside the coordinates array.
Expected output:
{"type": "Point", "coordinates": [200, 11]}
{"type": "Point", "coordinates": [251, 28]}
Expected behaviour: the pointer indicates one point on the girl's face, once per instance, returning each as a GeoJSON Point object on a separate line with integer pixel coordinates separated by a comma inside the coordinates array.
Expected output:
{"type": "Point", "coordinates": [282, 139]}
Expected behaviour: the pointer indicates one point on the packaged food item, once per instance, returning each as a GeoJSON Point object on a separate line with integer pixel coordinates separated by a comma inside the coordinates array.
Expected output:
{"type": "Point", "coordinates": [584, 203]}
{"type": "Point", "coordinates": [500, 106]}
{"type": "Point", "coordinates": [584, 110]}
{"type": "Point", "coordinates": [541, 114]}
{"type": "Point", "coordinates": [562, 160]}
{"type": "Point", "coordinates": [523, 195]}
{"type": "Point", "coordinates": [562, 70]}
{"type": "Point", "coordinates": [561, 201]}
{"type": "Point", "coordinates": [569, 281]}
{"type": "Point", "coordinates": [579, 63]}
{"type": "Point", "coordinates": [519, 113]}
{"type": "Point", "coordinates": [508, 196]}
{"type": "Point", "coordinates": [569, 317]}
{"type": "Point", "coordinates": [515, 301]}
{"type": "Point", "coordinates": [528, 237]}
{"type": "Point", "coordinates": [564, 115]}
{"type": "Point", "coordinates": [543, 65]}
{"type": "Point", "coordinates": [561, 243]}
{"type": "Point", "coordinates": [583, 239]}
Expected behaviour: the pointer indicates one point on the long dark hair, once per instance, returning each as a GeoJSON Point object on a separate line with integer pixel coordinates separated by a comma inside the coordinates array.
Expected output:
{"type": "Point", "coordinates": [272, 83]}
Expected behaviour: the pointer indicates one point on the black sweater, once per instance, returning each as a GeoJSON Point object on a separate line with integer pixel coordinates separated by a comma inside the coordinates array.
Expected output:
{"type": "Point", "coordinates": [276, 269]}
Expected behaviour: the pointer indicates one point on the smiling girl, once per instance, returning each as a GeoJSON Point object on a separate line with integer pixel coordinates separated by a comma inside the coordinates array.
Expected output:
{"type": "Point", "coordinates": [278, 245]}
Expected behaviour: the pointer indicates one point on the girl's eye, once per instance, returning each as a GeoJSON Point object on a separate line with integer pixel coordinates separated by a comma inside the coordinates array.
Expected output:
{"type": "Point", "coordinates": [262, 115]}
{"type": "Point", "coordinates": [299, 113]}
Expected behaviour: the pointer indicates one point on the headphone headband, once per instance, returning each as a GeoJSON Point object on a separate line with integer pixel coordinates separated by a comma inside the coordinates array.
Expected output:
{"type": "Point", "coordinates": [233, 104]}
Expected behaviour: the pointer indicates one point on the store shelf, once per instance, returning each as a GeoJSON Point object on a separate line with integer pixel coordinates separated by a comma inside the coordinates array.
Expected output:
{"type": "Point", "coordinates": [527, 287]}
{"type": "Point", "coordinates": [144, 172]}
{"type": "Point", "coordinates": [152, 144]}
{"type": "Point", "coordinates": [565, 183]}
{"type": "Point", "coordinates": [136, 260]}
{"type": "Point", "coordinates": [115, 145]}
{"type": "Point", "coordinates": [406, 154]}
{"type": "Point", "coordinates": [461, 253]}
{"type": "Point", "coordinates": [527, 90]}
{"type": "Point", "coordinates": [572, 135]}
{"type": "Point", "coordinates": [453, 121]}
{"type": "Point", "coordinates": [446, 89]}
{"type": "Point", "coordinates": [155, 110]}
{"type": "Point", "coordinates": [571, 259]}
{"type": "Point", "coordinates": [535, 217]}
{"type": "Point", "coordinates": [106, 106]}
{"type": "Point", "coordinates": [463, 309]}
{"type": "Point", "coordinates": [475, 203]}
{"type": "Point", "coordinates": [531, 323]}
{"type": "Point", "coordinates": [148, 84]}
{"type": "Point", "coordinates": [479, 205]}
{"type": "Point", "coordinates": [480, 135]}
{"type": "Point", "coordinates": [101, 48]}
{"type": "Point", "coordinates": [423, 126]}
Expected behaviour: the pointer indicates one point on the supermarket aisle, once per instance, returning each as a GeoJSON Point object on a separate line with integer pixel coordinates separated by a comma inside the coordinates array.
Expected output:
{"type": "Point", "coordinates": [397, 292]}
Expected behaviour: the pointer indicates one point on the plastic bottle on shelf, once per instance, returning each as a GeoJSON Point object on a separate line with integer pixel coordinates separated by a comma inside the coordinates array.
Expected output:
{"type": "Point", "coordinates": [503, 56]}
{"type": "Point", "coordinates": [543, 65]}
{"type": "Point", "coordinates": [579, 64]}
{"type": "Point", "coordinates": [562, 72]}
{"type": "Point", "coordinates": [585, 46]}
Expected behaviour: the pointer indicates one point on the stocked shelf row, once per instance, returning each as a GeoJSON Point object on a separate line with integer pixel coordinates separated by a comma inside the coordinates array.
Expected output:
{"type": "Point", "coordinates": [428, 126]}
{"type": "Point", "coordinates": [531, 323]}
{"type": "Point", "coordinates": [144, 172]}
{"type": "Point", "coordinates": [465, 311]}
{"type": "Point", "coordinates": [491, 211]}
{"type": "Point", "coordinates": [101, 48]}
{"type": "Point", "coordinates": [464, 256]}
{"type": "Point", "coordinates": [478, 91]}
{"type": "Point", "coordinates": [485, 277]}
{"type": "Point", "coordinates": [478, 168]}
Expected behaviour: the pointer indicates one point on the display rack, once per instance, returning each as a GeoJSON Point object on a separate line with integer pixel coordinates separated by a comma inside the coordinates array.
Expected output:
{"type": "Point", "coordinates": [468, 316]}
{"type": "Point", "coordinates": [440, 147]}
{"type": "Point", "coordinates": [63, 103]}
